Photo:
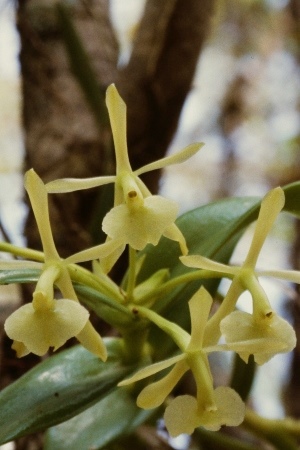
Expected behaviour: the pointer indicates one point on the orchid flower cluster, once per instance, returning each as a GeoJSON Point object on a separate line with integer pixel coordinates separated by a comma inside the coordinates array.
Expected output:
{"type": "Point", "coordinates": [136, 220]}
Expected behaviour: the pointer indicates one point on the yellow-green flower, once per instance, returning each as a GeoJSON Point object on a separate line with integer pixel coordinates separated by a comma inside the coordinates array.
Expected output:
{"type": "Point", "coordinates": [263, 333]}
{"type": "Point", "coordinates": [46, 322]}
{"type": "Point", "coordinates": [212, 407]}
{"type": "Point", "coordinates": [143, 225]}
{"type": "Point", "coordinates": [183, 414]}
{"type": "Point", "coordinates": [41, 324]}
{"type": "Point", "coordinates": [137, 218]}
{"type": "Point", "coordinates": [261, 336]}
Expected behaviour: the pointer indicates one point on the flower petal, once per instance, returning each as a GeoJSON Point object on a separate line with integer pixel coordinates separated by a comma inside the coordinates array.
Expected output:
{"type": "Point", "coordinates": [117, 116]}
{"type": "Point", "coordinates": [271, 206]}
{"type": "Point", "coordinates": [200, 262]}
{"type": "Point", "coordinates": [264, 338]}
{"type": "Point", "coordinates": [175, 158]}
{"type": "Point", "coordinates": [173, 233]}
{"type": "Point", "coordinates": [20, 349]}
{"type": "Point", "coordinates": [288, 275]}
{"type": "Point", "coordinates": [92, 341]}
{"type": "Point", "coordinates": [230, 410]}
{"type": "Point", "coordinates": [65, 185]}
{"type": "Point", "coordinates": [39, 201]}
{"type": "Point", "coordinates": [199, 305]}
{"type": "Point", "coordinates": [107, 262]}
{"type": "Point", "coordinates": [142, 226]}
{"type": "Point", "coordinates": [155, 393]}
{"type": "Point", "coordinates": [183, 414]}
{"type": "Point", "coordinates": [152, 369]}
{"type": "Point", "coordinates": [16, 264]}
{"type": "Point", "coordinates": [40, 330]}
{"type": "Point", "coordinates": [97, 252]}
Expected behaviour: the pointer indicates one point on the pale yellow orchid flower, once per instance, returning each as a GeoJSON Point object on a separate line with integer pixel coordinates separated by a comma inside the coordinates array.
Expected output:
{"type": "Point", "coordinates": [264, 337]}
{"type": "Point", "coordinates": [137, 218]}
{"type": "Point", "coordinates": [262, 333]}
{"type": "Point", "coordinates": [212, 407]}
{"type": "Point", "coordinates": [183, 414]}
{"type": "Point", "coordinates": [46, 322]}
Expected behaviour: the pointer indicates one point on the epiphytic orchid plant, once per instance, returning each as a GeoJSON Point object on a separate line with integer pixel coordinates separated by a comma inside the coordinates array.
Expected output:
{"type": "Point", "coordinates": [163, 313]}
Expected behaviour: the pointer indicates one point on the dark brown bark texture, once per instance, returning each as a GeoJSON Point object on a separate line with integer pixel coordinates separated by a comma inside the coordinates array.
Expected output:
{"type": "Point", "coordinates": [61, 136]}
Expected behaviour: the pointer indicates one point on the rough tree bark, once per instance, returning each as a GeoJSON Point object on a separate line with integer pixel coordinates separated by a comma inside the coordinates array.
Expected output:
{"type": "Point", "coordinates": [61, 136]}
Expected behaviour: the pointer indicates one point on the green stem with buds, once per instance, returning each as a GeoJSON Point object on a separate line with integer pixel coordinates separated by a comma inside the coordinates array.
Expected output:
{"type": "Point", "coordinates": [181, 279]}
{"type": "Point", "coordinates": [132, 273]}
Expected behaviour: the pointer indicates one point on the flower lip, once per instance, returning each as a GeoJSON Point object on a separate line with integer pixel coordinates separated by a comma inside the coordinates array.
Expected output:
{"type": "Point", "coordinates": [183, 414]}
{"type": "Point", "coordinates": [264, 337]}
{"type": "Point", "coordinates": [38, 330]}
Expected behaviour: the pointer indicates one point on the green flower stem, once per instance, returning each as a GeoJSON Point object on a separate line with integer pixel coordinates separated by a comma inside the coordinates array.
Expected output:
{"type": "Point", "coordinates": [87, 278]}
{"type": "Point", "coordinates": [200, 367]}
{"type": "Point", "coordinates": [181, 279]}
{"type": "Point", "coordinates": [66, 286]}
{"type": "Point", "coordinates": [131, 274]}
{"type": "Point", "coordinates": [212, 331]}
{"type": "Point", "coordinates": [27, 253]}
{"type": "Point", "coordinates": [134, 344]}
{"type": "Point", "coordinates": [180, 336]}
{"type": "Point", "coordinates": [276, 431]}
{"type": "Point", "coordinates": [221, 441]}
{"type": "Point", "coordinates": [261, 304]}
{"type": "Point", "coordinates": [78, 273]}
{"type": "Point", "coordinates": [49, 275]}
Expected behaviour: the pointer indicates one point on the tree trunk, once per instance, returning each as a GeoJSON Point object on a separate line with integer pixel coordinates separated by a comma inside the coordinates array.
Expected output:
{"type": "Point", "coordinates": [61, 136]}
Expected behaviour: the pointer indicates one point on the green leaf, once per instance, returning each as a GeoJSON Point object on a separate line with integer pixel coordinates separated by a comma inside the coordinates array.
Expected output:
{"type": "Point", "coordinates": [19, 276]}
{"type": "Point", "coordinates": [58, 389]}
{"type": "Point", "coordinates": [242, 376]}
{"type": "Point", "coordinates": [112, 312]}
{"type": "Point", "coordinates": [112, 417]}
{"type": "Point", "coordinates": [292, 198]}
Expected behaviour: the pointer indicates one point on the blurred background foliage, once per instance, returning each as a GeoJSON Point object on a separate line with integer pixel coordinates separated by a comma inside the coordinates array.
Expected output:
{"type": "Point", "coordinates": [225, 72]}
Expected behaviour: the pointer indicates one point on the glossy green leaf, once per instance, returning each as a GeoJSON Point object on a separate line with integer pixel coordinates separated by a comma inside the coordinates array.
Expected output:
{"type": "Point", "coordinates": [292, 198]}
{"type": "Point", "coordinates": [112, 312]}
{"type": "Point", "coordinates": [112, 417]}
{"type": "Point", "coordinates": [19, 276]}
{"type": "Point", "coordinates": [59, 388]}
